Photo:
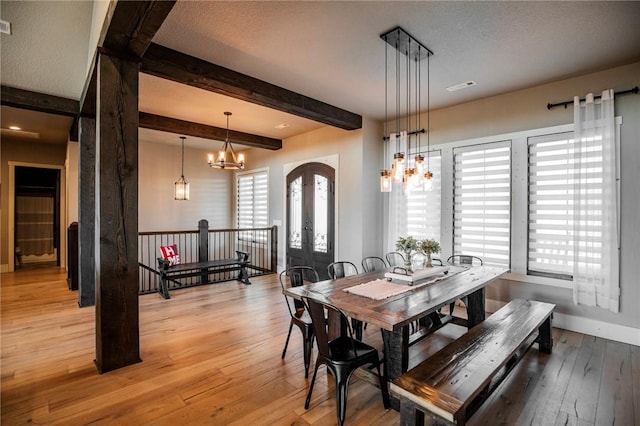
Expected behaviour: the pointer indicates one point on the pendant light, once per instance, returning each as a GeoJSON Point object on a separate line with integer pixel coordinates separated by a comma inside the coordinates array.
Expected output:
{"type": "Point", "coordinates": [227, 157]}
{"type": "Point", "coordinates": [181, 187]}
{"type": "Point", "coordinates": [410, 172]}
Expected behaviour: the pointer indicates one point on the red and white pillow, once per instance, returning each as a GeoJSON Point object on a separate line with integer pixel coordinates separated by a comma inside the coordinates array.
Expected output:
{"type": "Point", "coordinates": [170, 253]}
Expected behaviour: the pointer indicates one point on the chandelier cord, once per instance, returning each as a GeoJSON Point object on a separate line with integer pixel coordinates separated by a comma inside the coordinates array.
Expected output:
{"type": "Point", "coordinates": [397, 94]}
{"type": "Point", "coordinates": [182, 170]}
{"type": "Point", "coordinates": [428, 111]}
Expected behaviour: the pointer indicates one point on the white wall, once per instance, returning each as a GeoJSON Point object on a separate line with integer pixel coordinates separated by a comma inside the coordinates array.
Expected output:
{"type": "Point", "coordinates": [211, 190]}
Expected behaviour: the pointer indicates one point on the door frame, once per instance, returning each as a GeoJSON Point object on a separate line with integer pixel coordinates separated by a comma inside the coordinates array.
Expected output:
{"type": "Point", "coordinates": [332, 161]}
{"type": "Point", "coordinates": [11, 265]}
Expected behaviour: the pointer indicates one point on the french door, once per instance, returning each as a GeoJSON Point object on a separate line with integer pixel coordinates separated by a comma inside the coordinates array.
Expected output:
{"type": "Point", "coordinates": [311, 217]}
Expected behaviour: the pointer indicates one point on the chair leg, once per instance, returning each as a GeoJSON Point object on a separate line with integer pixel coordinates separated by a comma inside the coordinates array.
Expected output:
{"type": "Point", "coordinates": [357, 327]}
{"type": "Point", "coordinates": [286, 343]}
{"type": "Point", "coordinates": [308, 345]}
{"type": "Point", "coordinates": [313, 381]}
{"type": "Point", "coordinates": [384, 388]}
{"type": "Point", "coordinates": [341, 399]}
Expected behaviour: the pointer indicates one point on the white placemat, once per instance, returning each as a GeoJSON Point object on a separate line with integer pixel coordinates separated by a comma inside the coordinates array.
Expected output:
{"type": "Point", "coordinates": [381, 288]}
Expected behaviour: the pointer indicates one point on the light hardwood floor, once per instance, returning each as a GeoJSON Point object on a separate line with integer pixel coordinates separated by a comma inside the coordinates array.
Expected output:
{"type": "Point", "coordinates": [211, 355]}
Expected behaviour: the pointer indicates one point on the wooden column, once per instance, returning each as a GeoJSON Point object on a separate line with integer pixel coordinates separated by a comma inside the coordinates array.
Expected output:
{"type": "Point", "coordinates": [203, 246]}
{"type": "Point", "coordinates": [87, 213]}
{"type": "Point", "coordinates": [117, 330]}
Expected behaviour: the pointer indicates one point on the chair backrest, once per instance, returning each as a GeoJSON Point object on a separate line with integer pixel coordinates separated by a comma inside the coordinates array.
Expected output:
{"type": "Point", "coordinates": [319, 312]}
{"type": "Point", "coordinates": [464, 259]}
{"type": "Point", "coordinates": [341, 269]}
{"type": "Point", "coordinates": [373, 263]}
{"type": "Point", "coordinates": [395, 258]}
{"type": "Point", "coordinates": [296, 276]}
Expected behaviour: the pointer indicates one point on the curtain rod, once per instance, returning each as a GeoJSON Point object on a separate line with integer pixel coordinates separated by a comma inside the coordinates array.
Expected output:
{"type": "Point", "coordinates": [565, 103]}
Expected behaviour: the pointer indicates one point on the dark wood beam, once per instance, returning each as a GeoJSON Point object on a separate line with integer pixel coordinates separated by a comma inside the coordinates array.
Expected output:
{"type": "Point", "coordinates": [133, 24]}
{"type": "Point", "coordinates": [116, 214]}
{"type": "Point", "coordinates": [166, 63]}
{"type": "Point", "coordinates": [128, 29]}
{"type": "Point", "coordinates": [34, 101]}
{"type": "Point", "coordinates": [88, 97]}
{"type": "Point", "coordinates": [188, 128]}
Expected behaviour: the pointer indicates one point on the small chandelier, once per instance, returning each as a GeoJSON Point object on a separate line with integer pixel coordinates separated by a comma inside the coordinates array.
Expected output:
{"type": "Point", "coordinates": [181, 187]}
{"type": "Point", "coordinates": [410, 172]}
{"type": "Point", "coordinates": [227, 157]}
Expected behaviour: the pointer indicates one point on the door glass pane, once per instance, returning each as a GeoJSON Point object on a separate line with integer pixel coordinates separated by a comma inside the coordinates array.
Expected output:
{"type": "Point", "coordinates": [320, 196]}
{"type": "Point", "coordinates": [295, 214]}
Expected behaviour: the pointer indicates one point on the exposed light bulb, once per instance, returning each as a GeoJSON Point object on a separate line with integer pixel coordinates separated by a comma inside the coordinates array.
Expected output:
{"type": "Point", "coordinates": [385, 181]}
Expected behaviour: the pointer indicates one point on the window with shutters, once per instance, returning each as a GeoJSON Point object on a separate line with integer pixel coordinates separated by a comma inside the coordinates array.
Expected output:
{"type": "Point", "coordinates": [252, 203]}
{"type": "Point", "coordinates": [423, 207]}
{"type": "Point", "coordinates": [482, 202]}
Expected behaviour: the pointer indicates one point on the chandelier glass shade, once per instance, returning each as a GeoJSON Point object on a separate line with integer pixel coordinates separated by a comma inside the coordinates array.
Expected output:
{"type": "Point", "coordinates": [226, 158]}
{"type": "Point", "coordinates": [181, 187]}
{"type": "Point", "coordinates": [413, 173]}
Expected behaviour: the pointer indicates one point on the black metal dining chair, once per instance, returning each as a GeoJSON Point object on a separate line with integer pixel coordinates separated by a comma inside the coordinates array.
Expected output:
{"type": "Point", "coordinates": [293, 277]}
{"type": "Point", "coordinates": [395, 258]}
{"type": "Point", "coordinates": [341, 269]}
{"type": "Point", "coordinates": [342, 355]}
{"type": "Point", "coordinates": [373, 263]}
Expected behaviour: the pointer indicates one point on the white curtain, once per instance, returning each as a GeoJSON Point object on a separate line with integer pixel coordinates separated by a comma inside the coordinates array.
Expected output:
{"type": "Point", "coordinates": [595, 254]}
{"type": "Point", "coordinates": [397, 218]}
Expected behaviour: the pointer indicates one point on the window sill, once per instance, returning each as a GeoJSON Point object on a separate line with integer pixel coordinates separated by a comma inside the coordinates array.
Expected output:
{"type": "Point", "coordinates": [532, 279]}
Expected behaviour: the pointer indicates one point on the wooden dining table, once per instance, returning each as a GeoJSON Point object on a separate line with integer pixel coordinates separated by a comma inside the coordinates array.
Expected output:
{"type": "Point", "coordinates": [394, 315]}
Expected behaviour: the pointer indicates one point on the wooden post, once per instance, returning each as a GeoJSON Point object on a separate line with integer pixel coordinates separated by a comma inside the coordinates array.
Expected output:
{"type": "Point", "coordinates": [203, 246]}
{"type": "Point", "coordinates": [117, 316]}
{"type": "Point", "coordinates": [87, 213]}
{"type": "Point", "coordinates": [274, 249]}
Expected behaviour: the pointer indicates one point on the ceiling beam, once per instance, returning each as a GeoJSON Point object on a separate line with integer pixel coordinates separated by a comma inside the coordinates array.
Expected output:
{"type": "Point", "coordinates": [131, 25]}
{"type": "Point", "coordinates": [34, 101]}
{"type": "Point", "coordinates": [166, 63]}
{"type": "Point", "coordinates": [188, 128]}
{"type": "Point", "coordinates": [127, 30]}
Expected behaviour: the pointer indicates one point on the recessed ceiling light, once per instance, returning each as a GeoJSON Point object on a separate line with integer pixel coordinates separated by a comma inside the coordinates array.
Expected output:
{"type": "Point", "coordinates": [15, 128]}
{"type": "Point", "coordinates": [461, 86]}
{"type": "Point", "coordinates": [282, 126]}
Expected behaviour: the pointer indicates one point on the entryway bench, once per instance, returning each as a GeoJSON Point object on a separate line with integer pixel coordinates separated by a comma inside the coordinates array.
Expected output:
{"type": "Point", "coordinates": [185, 270]}
{"type": "Point", "coordinates": [452, 384]}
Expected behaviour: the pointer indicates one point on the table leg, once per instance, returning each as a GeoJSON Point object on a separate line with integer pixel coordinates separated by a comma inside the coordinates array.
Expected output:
{"type": "Point", "coordinates": [475, 307]}
{"type": "Point", "coordinates": [396, 356]}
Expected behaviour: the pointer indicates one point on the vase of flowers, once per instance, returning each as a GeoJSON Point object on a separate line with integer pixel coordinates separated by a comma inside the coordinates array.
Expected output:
{"type": "Point", "coordinates": [407, 245]}
{"type": "Point", "coordinates": [428, 247]}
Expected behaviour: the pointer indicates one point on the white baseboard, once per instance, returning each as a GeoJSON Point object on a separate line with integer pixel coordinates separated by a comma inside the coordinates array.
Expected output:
{"type": "Point", "coordinates": [605, 330]}
{"type": "Point", "coordinates": [4, 268]}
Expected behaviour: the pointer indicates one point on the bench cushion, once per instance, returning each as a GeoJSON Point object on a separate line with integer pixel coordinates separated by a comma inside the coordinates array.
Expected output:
{"type": "Point", "coordinates": [170, 253]}
{"type": "Point", "coordinates": [447, 382]}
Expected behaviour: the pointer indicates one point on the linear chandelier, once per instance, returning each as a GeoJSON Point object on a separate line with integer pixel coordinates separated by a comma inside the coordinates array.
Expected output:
{"type": "Point", "coordinates": [411, 173]}
{"type": "Point", "coordinates": [227, 157]}
{"type": "Point", "coordinates": [181, 187]}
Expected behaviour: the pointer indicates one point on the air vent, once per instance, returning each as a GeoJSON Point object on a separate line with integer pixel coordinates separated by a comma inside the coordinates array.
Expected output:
{"type": "Point", "coordinates": [461, 86]}
{"type": "Point", "coordinates": [5, 27]}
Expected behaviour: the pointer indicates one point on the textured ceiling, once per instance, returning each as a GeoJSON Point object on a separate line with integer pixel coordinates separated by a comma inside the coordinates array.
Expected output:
{"type": "Point", "coordinates": [330, 51]}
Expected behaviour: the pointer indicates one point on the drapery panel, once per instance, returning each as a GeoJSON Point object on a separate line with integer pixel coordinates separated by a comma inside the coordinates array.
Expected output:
{"type": "Point", "coordinates": [595, 255]}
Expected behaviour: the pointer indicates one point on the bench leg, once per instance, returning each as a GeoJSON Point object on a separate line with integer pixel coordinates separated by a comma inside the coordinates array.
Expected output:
{"type": "Point", "coordinates": [475, 307]}
{"type": "Point", "coordinates": [244, 276]}
{"type": "Point", "coordinates": [545, 341]}
{"type": "Point", "coordinates": [164, 288]}
{"type": "Point", "coordinates": [409, 416]}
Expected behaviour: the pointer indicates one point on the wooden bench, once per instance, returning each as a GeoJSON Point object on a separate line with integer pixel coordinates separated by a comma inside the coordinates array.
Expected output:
{"type": "Point", "coordinates": [453, 383]}
{"type": "Point", "coordinates": [185, 270]}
